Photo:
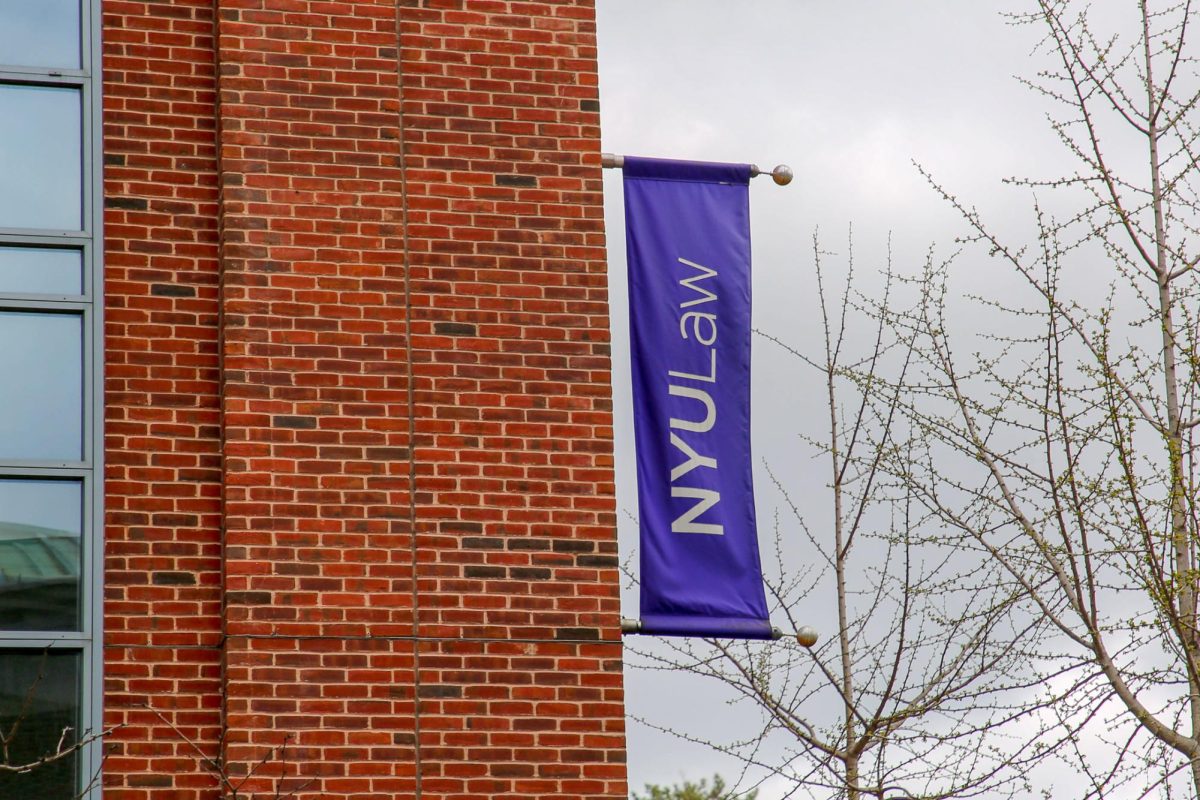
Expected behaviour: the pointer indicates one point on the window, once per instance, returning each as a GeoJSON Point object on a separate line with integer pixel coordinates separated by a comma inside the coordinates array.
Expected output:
{"type": "Point", "coordinates": [41, 270]}
{"type": "Point", "coordinates": [42, 687]}
{"type": "Point", "coordinates": [40, 156]}
{"type": "Point", "coordinates": [50, 485]}
{"type": "Point", "coordinates": [41, 33]}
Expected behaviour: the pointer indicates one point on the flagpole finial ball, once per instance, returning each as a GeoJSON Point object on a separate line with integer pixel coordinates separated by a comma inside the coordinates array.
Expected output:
{"type": "Point", "coordinates": [782, 175]}
{"type": "Point", "coordinates": [806, 636]}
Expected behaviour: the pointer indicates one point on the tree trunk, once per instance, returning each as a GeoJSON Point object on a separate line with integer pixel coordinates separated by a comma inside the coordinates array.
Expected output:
{"type": "Point", "coordinates": [1182, 567]}
{"type": "Point", "coordinates": [839, 566]}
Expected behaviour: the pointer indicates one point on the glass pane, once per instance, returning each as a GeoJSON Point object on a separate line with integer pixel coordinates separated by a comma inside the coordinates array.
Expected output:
{"type": "Point", "coordinates": [41, 160]}
{"type": "Point", "coordinates": [40, 270]}
{"type": "Point", "coordinates": [40, 526]}
{"type": "Point", "coordinates": [41, 689]}
{"type": "Point", "coordinates": [39, 33]}
{"type": "Point", "coordinates": [41, 386]}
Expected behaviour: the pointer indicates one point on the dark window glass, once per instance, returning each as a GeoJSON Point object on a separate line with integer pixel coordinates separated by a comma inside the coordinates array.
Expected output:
{"type": "Point", "coordinates": [40, 270]}
{"type": "Point", "coordinates": [41, 386]}
{"type": "Point", "coordinates": [40, 525]}
{"type": "Point", "coordinates": [39, 33]}
{"type": "Point", "coordinates": [40, 689]}
{"type": "Point", "coordinates": [41, 158]}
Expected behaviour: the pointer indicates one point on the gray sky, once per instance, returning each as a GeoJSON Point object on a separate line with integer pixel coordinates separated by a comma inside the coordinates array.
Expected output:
{"type": "Point", "coordinates": [848, 94]}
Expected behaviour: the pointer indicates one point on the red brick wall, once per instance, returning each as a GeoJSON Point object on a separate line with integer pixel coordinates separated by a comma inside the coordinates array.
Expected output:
{"type": "Point", "coordinates": [345, 265]}
{"type": "Point", "coordinates": [162, 563]}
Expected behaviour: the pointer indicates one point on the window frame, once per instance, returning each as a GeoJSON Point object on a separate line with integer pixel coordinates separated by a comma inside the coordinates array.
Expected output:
{"type": "Point", "coordinates": [81, 83]}
{"type": "Point", "coordinates": [88, 239]}
{"type": "Point", "coordinates": [88, 397]}
{"type": "Point", "coordinates": [78, 245]}
{"type": "Point", "coordinates": [87, 552]}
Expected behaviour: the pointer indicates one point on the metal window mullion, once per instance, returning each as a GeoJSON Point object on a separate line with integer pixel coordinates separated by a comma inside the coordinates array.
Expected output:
{"type": "Point", "coordinates": [14, 640]}
{"type": "Point", "coordinates": [92, 681]}
{"type": "Point", "coordinates": [42, 470]}
{"type": "Point", "coordinates": [89, 37]}
{"type": "Point", "coordinates": [88, 149]}
{"type": "Point", "coordinates": [38, 302]}
{"type": "Point", "coordinates": [89, 280]}
{"type": "Point", "coordinates": [91, 400]}
{"type": "Point", "coordinates": [43, 238]}
{"type": "Point", "coordinates": [43, 76]}
{"type": "Point", "coordinates": [46, 304]}
{"type": "Point", "coordinates": [90, 553]}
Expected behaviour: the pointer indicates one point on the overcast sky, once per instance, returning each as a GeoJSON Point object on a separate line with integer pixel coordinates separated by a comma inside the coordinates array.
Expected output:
{"type": "Point", "coordinates": [849, 94]}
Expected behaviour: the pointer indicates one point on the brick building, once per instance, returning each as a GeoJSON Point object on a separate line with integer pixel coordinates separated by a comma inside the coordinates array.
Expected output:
{"type": "Point", "coordinates": [305, 436]}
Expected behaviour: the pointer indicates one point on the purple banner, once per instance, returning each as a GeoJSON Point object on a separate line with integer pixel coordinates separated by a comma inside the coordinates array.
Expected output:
{"type": "Point", "coordinates": [688, 237]}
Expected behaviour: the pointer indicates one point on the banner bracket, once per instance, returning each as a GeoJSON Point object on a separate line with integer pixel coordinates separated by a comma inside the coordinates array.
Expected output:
{"type": "Point", "coordinates": [782, 174]}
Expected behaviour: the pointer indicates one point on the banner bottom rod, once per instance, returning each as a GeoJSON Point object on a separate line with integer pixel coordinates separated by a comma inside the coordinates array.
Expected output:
{"type": "Point", "coordinates": [806, 635]}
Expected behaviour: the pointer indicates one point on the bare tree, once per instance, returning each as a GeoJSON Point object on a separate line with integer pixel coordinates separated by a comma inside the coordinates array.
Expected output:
{"type": "Point", "coordinates": [1063, 446]}
{"type": "Point", "coordinates": [273, 768]}
{"type": "Point", "coordinates": [27, 755]}
{"type": "Point", "coordinates": [40, 743]}
{"type": "Point", "coordinates": [923, 666]}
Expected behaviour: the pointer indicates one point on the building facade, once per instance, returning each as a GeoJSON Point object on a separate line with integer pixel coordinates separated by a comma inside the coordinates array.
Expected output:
{"type": "Point", "coordinates": [306, 478]}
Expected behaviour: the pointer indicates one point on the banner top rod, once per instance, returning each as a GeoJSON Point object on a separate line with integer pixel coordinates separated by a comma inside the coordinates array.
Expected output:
{"type": "Point", "coordinates": [782, 174]}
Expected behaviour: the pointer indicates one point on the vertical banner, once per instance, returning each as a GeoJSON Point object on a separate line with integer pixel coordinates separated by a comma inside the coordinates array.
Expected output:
{"type": "Point", "coordinates": [688, 238]}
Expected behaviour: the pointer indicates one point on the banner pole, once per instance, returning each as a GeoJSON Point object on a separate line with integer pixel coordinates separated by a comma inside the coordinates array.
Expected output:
{"type": "Point", "coordinates": [782, 174]}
